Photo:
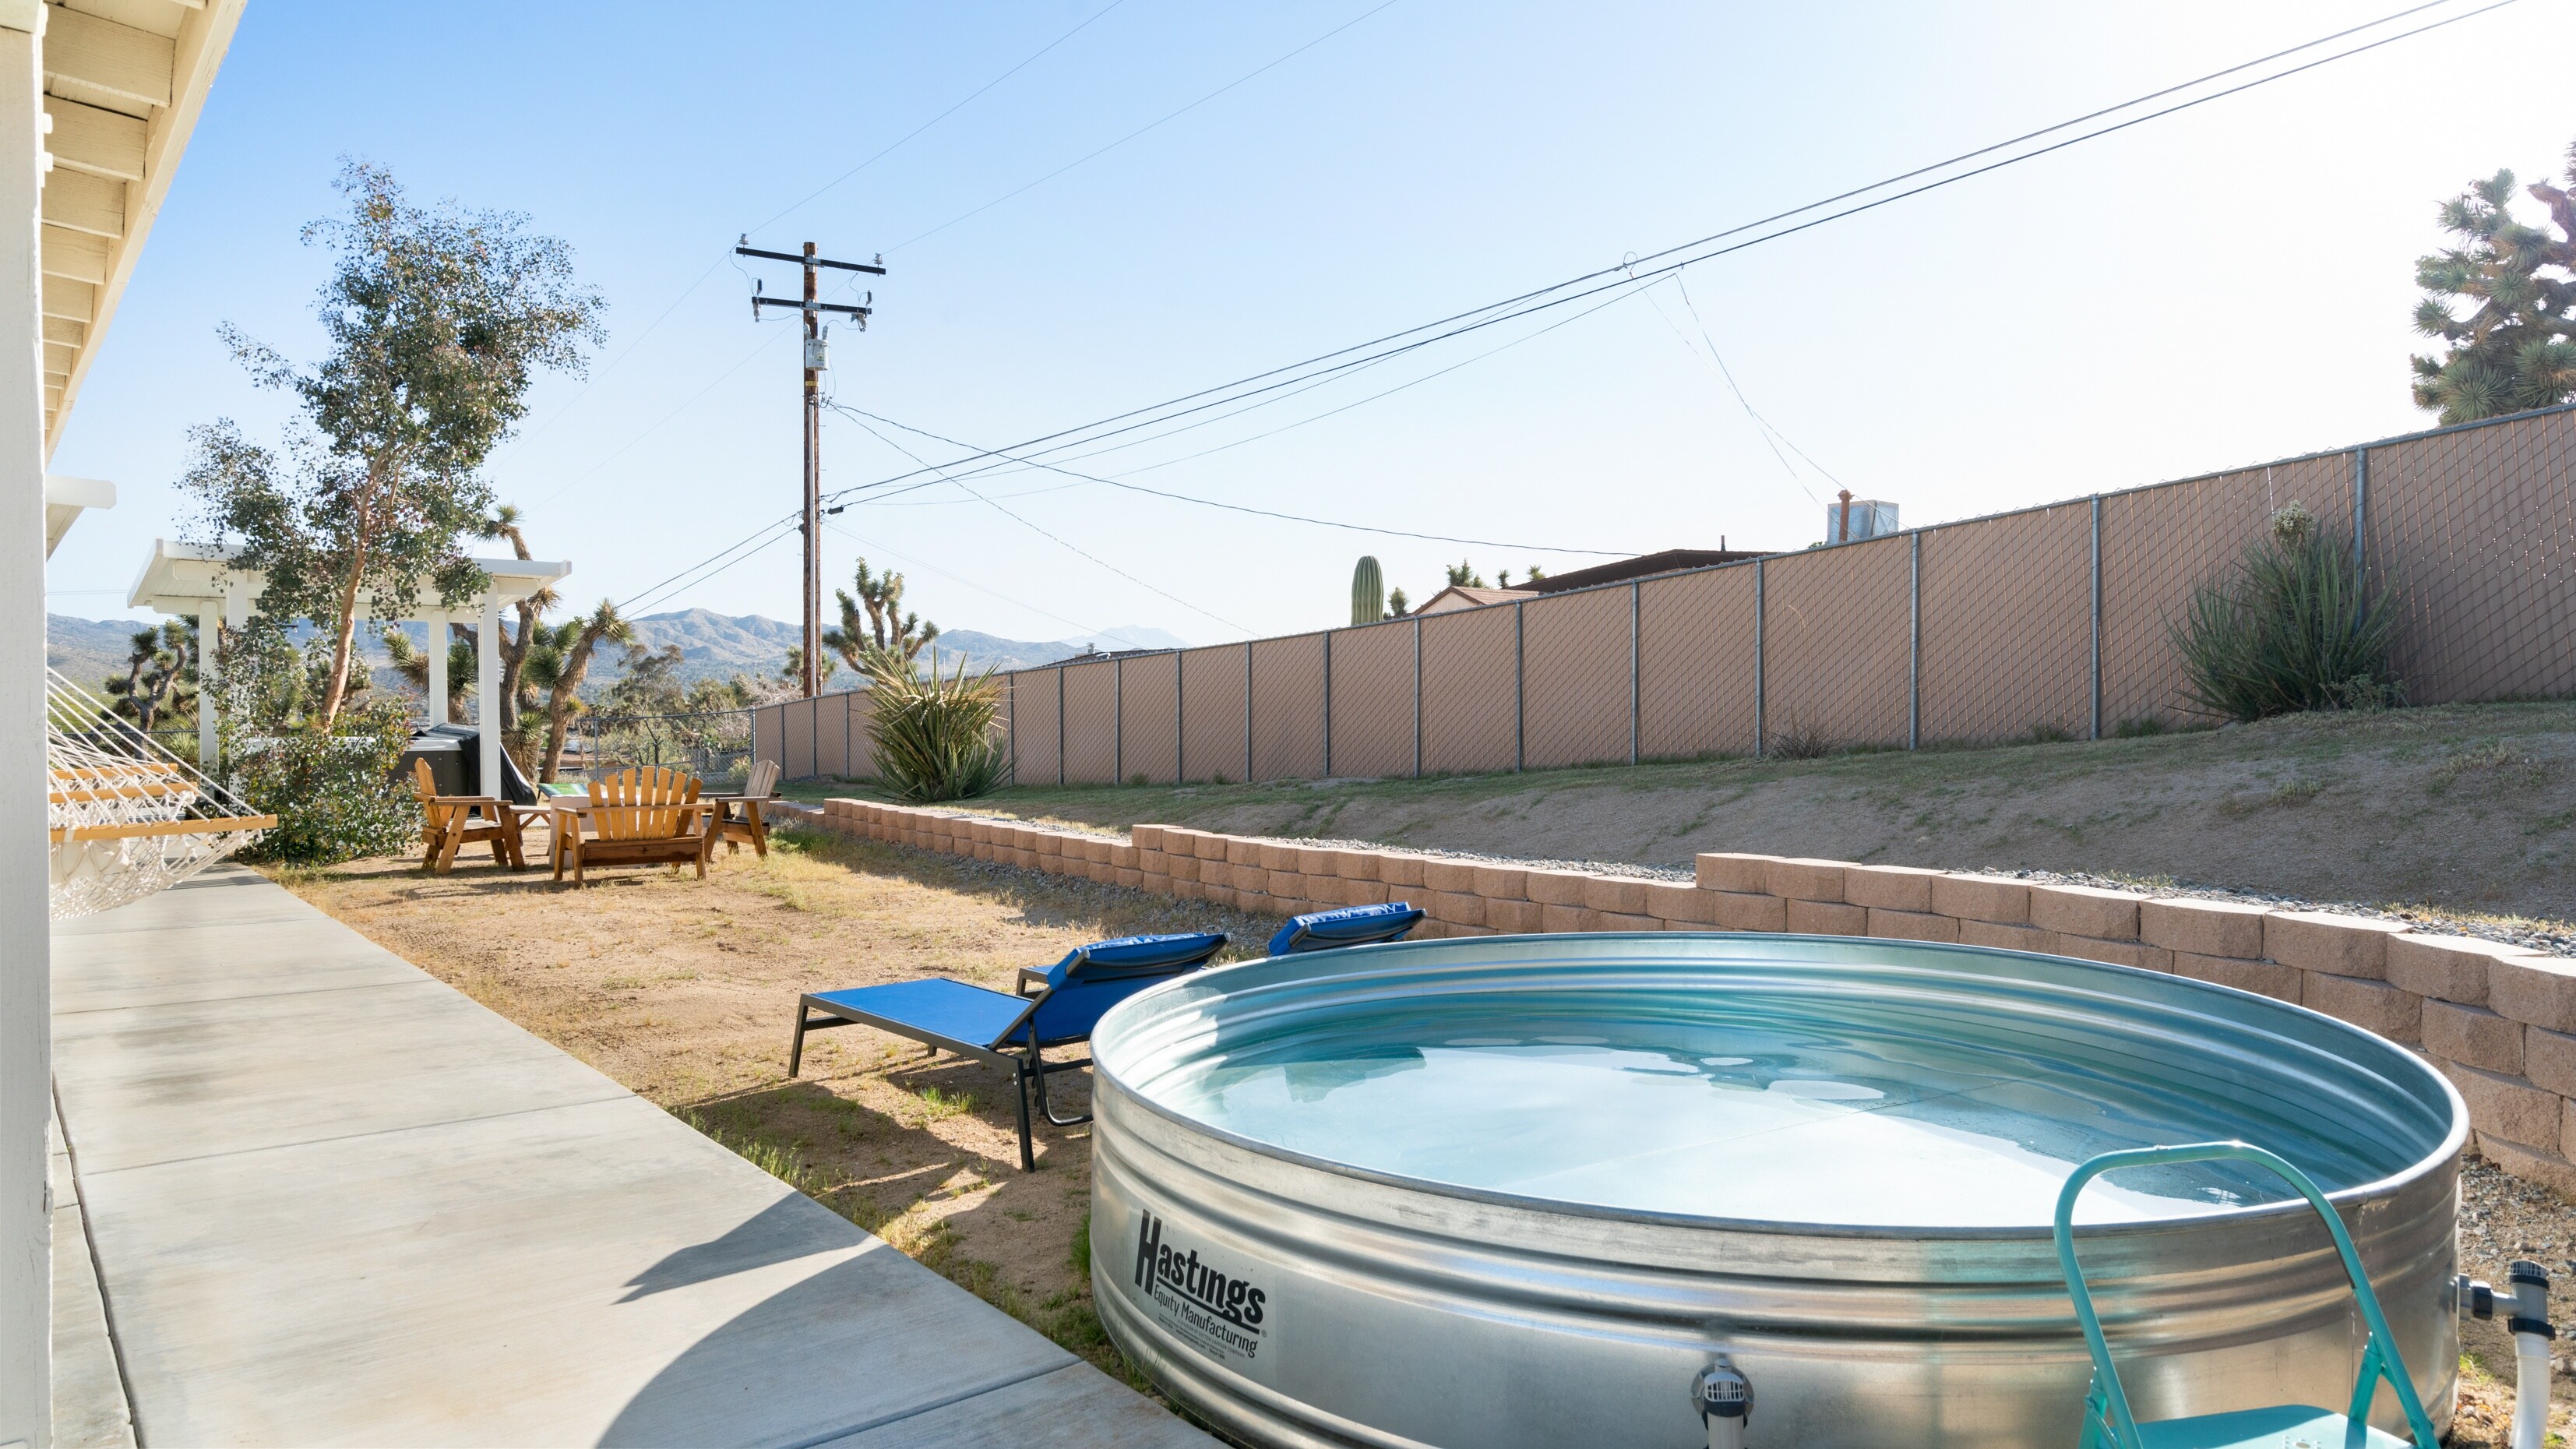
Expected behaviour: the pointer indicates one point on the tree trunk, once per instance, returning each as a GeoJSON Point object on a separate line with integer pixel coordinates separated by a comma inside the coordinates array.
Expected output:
{"type": "Point", "coordinates": [559, 702]}
{"type": "Point", "coordinates": [344, 636]}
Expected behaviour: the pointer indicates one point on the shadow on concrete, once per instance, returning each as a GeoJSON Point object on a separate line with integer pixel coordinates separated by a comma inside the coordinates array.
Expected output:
{"type": "Point", "coordinates": [782, 1232]}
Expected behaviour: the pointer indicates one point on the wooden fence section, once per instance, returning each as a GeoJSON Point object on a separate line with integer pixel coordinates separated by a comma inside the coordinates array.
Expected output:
{"type": "Point", "coordinates": [2046, 622]}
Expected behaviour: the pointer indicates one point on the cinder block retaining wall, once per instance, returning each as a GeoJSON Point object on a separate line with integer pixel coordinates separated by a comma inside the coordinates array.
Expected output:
{"type": "Point", "coordinates": [2499, 1021]}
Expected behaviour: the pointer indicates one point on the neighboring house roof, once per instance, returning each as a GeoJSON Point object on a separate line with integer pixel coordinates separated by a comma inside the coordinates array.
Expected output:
{"type": "Point", "coordinates": [1459, 596]}
{"type": "Point", "coordinates": [1670, 561]}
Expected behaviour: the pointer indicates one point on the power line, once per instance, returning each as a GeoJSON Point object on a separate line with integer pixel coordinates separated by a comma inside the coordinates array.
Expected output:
{"type": "Point", "coordinates": [1393, 344]}
{"type": "Point", "coordinates": [898, 554]}
{"type": "Point", "coordinates": [1141, 130]}
{"type": "Point", "coordinates": [1627, 275]}
{"type": "Point", "coordinates": [861, 419]}
{"type": "Point", "coordinates": [892, 146]}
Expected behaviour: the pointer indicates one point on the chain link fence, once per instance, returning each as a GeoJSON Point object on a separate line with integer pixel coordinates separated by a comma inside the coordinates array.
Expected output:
{"type": "Point", "coordinates": [2045, 623]}
{"type": "Point", "coordinates": [714, 745]}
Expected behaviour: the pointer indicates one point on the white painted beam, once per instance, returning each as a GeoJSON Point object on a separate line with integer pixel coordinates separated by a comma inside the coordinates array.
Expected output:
{"type": "Point", "coordinates": [88, 138]}
{"type": "Point", "coordinates": [130, 64]}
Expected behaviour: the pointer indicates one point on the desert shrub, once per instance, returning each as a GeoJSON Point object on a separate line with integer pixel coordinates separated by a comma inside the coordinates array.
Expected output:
{"type": "Point", "coordinates": [1798, 738]}
{"type": "Point", "coordinates": [333, 792]}
{"type": "Point", "coordinates": [2297, 628]}
{"type": "Point", "coordinates": [934, 737]}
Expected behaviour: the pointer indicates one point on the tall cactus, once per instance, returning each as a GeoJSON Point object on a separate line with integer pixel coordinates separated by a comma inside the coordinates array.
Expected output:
{"type": "Point", "coordinates": [1368, 592]}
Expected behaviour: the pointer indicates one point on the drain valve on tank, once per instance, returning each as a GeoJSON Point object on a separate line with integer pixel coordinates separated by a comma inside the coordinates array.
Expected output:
{"type": "Point", "coordinates": [2527, 1317]}
{"type": "Point", "coordinates": [1724, 1398]}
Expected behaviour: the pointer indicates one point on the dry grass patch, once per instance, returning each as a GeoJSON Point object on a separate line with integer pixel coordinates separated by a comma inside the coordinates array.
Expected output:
{"type": "Point", "coordinates": [685, 992]}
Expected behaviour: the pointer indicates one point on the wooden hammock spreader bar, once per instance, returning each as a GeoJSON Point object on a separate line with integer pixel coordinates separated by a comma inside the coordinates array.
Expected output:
{"type": "Point", "coordinates": [77, 774]}
{"type": "Point", "coordinates": [137, 790]}
{"type": "Point", "coordinates": [220, 826]}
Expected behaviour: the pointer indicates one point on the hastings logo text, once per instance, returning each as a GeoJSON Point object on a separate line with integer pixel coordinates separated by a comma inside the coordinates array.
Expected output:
{"type": "Point", "coordinates": [1225, 1312]}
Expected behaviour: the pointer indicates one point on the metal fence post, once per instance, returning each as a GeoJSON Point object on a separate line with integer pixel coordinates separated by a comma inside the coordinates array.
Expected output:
{"type": "Point", "coordinates": [1914, 648]}
{"type": "Point", "coordinates": [2360, 507]}
{"type": "Point", "coordinates": [2097, 616]}
{"type": "Point", "coordinates": [1059, 724]}
{"type": "Point", "coordinates": [1180, 722]}
{"type": "Point", "coordinates": [1761, 704]}
{"type": "Point", "coordinates": [1417, 696]}
{"type": "Point", "coordinates": [849, 769]}
{"type": "Point", "coordinates": [1011, 702]}
{"type": "Point", "coordinates": [1117, 721]}
{"type": "Point", "coordinates": [1636, 678]}
{"type": "Point", "coordinates": [1247, 711]}
{"type": "Point", "coordinates": [1520, 690]}
{"type": "Point", "coordinates": [1328, 704]}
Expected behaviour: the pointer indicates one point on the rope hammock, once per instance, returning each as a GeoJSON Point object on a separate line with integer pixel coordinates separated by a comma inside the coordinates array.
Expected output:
{"type": "Point", "coordinates": [126, 817]}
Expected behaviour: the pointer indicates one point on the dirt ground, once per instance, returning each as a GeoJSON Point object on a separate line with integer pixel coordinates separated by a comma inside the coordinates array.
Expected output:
{"type": "Point", "coordinates": [2458, 807]}
{"type": "Point", "coordinates": [685, 992]}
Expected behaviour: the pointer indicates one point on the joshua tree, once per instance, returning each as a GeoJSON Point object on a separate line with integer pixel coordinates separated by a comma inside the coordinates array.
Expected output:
{"type": "Point", "coordinates": [1397, 605]}
{"type": "Point", "coordinates": [413, 664]}
{"type": "Point", "coordinates": [160, 676]}
{"type": "Point", "coordinates": [558, 662]}
{"type": "Point", "coordinates": [2512, 348]}
{"type": "Point", "coordinates": [888, 631]}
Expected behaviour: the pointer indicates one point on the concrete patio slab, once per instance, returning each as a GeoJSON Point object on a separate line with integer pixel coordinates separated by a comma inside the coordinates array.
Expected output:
{"type": "Point", "coordinates": [378, 1213]}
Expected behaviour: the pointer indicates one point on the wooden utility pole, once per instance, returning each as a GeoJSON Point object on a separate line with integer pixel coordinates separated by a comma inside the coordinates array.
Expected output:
{"type": "Point", "coordinates": [815, 363]}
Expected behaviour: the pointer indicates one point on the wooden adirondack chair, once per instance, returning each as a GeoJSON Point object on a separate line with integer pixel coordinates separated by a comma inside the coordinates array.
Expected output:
{"type": "Point", "coordinates": [448, 821]}
{"type": "Point", "coordinates": [738, 817]}
{"type": "Point", "coordinates": [636, 817]}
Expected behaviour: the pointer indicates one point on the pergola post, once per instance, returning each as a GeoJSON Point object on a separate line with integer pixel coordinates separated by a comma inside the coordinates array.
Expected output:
{"type": "Point", "coordinates": [210, 655]}
{"type": "Point", "coordinates": [437, 668]}
{"type": "Point", "coordinates": [487, 696]}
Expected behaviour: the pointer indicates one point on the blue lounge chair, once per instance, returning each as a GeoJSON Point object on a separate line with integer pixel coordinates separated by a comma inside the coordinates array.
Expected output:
{"type": "Point", "coordinates": [1349, 926]}
{"type": "Point", "coordinates": [1056, 1006]}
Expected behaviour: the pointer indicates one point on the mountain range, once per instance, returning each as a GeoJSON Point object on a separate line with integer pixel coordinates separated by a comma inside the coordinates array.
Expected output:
{"type": "Point", "coordinates": [712, 646]}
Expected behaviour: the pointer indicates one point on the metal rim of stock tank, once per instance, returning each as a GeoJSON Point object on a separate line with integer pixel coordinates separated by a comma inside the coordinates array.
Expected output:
{"type": "Point", "coordinates": [1392, 1309]}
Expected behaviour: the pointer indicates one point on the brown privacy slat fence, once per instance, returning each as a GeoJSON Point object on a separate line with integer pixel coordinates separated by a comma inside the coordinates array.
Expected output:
{"type": "Point", "coordinates": [2046, 622]}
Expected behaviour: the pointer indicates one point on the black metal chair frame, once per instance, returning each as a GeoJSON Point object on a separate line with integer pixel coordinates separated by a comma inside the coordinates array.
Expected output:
{"type": "Point", "coordinates": [1027, 1064]}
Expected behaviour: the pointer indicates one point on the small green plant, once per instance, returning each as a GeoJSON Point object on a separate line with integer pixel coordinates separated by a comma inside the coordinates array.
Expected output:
{"type": "Point", "coordinates": [1799, 739]}
{"type": "Point", "coordinates": [1140, 778]}
{"type": "Point", "coordinates": [934, 737]}
{"type": "Point", "coordinates": [944, 1105]}
{"type": "Point", "coordinates": [2297, 629]}
{"type": "Point", "coordinates": [2050, 734]}
{"type": "Point", "coordinates": [2145, 726]}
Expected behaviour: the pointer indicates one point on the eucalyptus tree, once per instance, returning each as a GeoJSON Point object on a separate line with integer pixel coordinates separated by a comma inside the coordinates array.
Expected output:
{"type": "Point", "coordinates": [439, 320]}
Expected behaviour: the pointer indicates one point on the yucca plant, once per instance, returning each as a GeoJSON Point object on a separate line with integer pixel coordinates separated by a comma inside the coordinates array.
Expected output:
{"type": "Point", "coordinates": [2297, 628]}
{"type": "Point", "coordinates": [933, 737]}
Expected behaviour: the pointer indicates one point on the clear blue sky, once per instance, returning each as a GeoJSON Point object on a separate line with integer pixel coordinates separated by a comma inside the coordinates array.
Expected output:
{"type": "Point", "coordinates": [2216, 288]}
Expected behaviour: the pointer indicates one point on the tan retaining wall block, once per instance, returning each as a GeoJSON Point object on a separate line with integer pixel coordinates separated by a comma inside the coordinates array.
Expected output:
{"type": "Point", "coordinates": [1449, 875]}
{"type": "Point", "coordinates": [2331, 942]}
{"type": "Point", "coordinates": [2103, 915]}
{"type": "Point", "coordinates": [2118, 953]}
{"type": "Point", "coordinates": [1357, 864]}
{"type": "Point", "coordinates": [1517, 918]}
{"type": "Point", "coordinates": [1913, 925]}
{"type": "Point", "coordinates": [2536, 990]}
{"type": "Point", "coordinates": [2204, 928]}
{"type": "Point", "coordinates": [2450, 968]}
{"type": "Point", "coordinates": [2548, 1059]}
{"type": "Point", "coordinates": [1400, 870]}
{"type": "Point", "coordinates": [1615, 894]}
{"type": "Point", "coordinates": [1745, 911]}
{"type": "Point", "coordinates": [2266, 978]}
{"type": "Point", "coordinates": [1804, 880]}
{"type": "Point", "coordinates": [1456, 907]}
{"type": "Point", "coordinates": [1726, 870]}
{"type": "Point", "coordinates": [1982, 898]}
{"type": "Point", "coordinates": [1891, 888]}
{"type": "Point", "coordinates": [1679, 903]}
{"type": "Point", "coordinates": [2474, 1035]}
{"type": "Point", "coordinates": [2508, 1107]}
{"type": "Point", "coordinates": [1554, 887]}
{"type": "Point", "coordinates": [2371, 1005]}
{"type": "Point", "coordinates": [1554, 918]}
{"type": "Point", "coordinates": [1827, 918]}
{"type": "Point", "coordinates": [1502, 882]}
{"type": "Point", "coordinates": [2004, 936]}
{"type": "Point", "coordinates": [2530, 1164]}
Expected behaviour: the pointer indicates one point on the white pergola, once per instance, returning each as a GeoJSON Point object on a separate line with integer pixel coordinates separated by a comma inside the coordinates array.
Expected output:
{"type": "Point", "coordinates": [188, 581]}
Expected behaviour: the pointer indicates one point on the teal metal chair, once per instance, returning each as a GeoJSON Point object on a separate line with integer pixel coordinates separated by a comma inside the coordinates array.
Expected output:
{"type": "Point", "coordinates": [2108, 1424]}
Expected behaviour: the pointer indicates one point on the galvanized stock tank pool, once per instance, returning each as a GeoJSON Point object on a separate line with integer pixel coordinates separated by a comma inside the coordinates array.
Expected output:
{"type": "Point", "coordinates": [1520, 1190]}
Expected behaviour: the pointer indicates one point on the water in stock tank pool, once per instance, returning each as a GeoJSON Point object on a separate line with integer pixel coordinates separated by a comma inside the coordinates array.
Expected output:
{"type": "Point", "coordinates": [1737, 1111]}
